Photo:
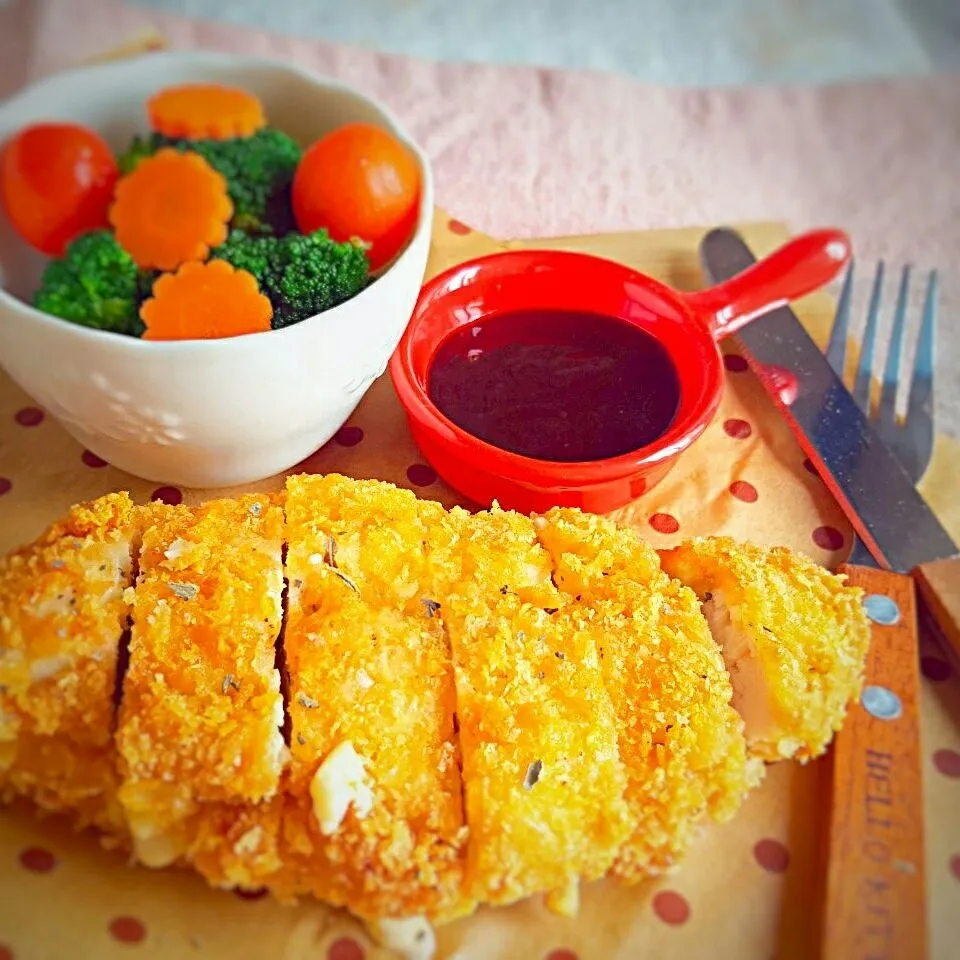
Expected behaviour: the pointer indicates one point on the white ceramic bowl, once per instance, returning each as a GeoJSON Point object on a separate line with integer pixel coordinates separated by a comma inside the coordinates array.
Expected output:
{"type": "Point", "coordinates": [203, 413]}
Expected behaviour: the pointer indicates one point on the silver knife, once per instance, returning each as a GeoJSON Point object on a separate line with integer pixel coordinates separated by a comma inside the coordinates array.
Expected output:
{"type": "Point", "coordinates": [875, 898]}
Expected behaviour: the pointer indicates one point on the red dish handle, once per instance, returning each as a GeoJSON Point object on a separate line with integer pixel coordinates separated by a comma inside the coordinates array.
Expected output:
{"type": "Point", "coordinates": [799, 267]}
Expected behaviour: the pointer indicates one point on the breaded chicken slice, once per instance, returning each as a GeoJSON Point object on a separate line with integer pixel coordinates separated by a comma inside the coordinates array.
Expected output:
{"type": "Point", "coordinates": [376, 820]}
{"type": "Point", "coordinates": [794, 637]}
{"type": "Point", "coordinates": [62, 615]}
{"type": "Point", "coordinates": [542, 776]}
{"type": "Point", "coordinates": [679, 737]}
{"type": "Point", "coordinates": [201, 711]}
{"type": "Point", "coordinates": [242, 847]}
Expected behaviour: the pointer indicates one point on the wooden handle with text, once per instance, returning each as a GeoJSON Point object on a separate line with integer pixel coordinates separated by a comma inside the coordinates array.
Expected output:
{"type": "Point", "coordinates": [876, 883]}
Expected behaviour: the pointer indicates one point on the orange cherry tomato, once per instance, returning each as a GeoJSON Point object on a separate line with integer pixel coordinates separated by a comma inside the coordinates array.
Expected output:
{"type": "Point", "coordinates": [56, 182]}
{"type": "Point", "coordinates": [359, 181]}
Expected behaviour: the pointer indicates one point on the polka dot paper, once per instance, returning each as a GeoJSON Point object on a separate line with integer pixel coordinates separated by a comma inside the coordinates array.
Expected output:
{"type": "Point", "coordinates": [746, 889]}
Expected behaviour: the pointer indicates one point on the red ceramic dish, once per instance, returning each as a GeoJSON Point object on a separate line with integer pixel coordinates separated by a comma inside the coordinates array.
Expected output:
{"type": "Point", "coordinates": [688, 325]}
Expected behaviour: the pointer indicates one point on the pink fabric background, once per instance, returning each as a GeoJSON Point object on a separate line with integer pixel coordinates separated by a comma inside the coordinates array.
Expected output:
{"type": "Point", "coordinates": [525, 152]}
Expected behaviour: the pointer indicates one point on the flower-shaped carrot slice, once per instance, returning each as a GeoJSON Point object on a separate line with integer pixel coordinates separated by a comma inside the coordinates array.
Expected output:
{"type": "Point", "coordinates": [205, 301]}
{"type": "Point", "coordinates": [205, 111]}
{"type": "Point", "coordinates": [171, 209]}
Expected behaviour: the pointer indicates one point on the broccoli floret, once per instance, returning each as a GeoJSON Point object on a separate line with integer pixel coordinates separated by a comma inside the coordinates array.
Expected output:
{"type": "Point", "coordinates": [139, 148]}
{"type": "Point", "coordinates": [302, 275]}
{"type": "Point", "coordinates": [257, 254]}
{"type": "Point", "coordinates": [318, 273]}
{"type": "Point", "coordinates": [94, 284]}
{"type": "Point", "coordinates": [258, 169]}
{"type": "Point", "coordinates": [145, 282]}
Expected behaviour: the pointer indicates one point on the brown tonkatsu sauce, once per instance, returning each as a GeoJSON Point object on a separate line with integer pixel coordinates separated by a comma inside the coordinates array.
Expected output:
{"type": "Point", "coordinates": [559, 386]}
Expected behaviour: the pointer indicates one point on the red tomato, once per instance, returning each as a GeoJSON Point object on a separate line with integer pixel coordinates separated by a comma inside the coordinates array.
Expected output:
{"type": "Point", "coordinates": [56, 182]}
{"type": "Point", "coordinates": [359, 181]}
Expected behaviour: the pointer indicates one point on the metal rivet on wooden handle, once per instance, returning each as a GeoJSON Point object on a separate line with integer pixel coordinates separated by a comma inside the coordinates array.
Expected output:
{"type": "Point", "coordinates": [876, 882]}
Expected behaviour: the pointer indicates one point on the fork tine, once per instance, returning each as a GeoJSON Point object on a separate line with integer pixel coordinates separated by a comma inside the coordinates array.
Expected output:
{"type": "Point", "coordinates": [920, 404]}
{"type": "Point", "coordinates": [861, 386]}
{"type": "Point", "coordinates": [891, 374]}
{"type": "Point", "coordinates": [837, 346]}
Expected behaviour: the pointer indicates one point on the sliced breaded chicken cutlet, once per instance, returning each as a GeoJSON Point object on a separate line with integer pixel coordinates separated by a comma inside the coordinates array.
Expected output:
{"type": "Point", "coordinates": [542, 776]}
{"type": "Point", "coordinates": [377, 819]}
{"type": "Point", "coordinates": [428, 705]}
{"type": "Point", "coordinates": [63, 612]}
{"type": "Point", "coordinates": [450, 709]}
{"type": "Point", "coordinates": [679, 737]}
{"type": "Point", "coordinates": [201, 711]}
{"type": "Point", "coordinates": [794, 637]}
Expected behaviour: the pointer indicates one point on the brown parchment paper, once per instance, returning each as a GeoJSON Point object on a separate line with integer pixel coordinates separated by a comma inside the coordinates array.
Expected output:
{"type": "Point", "coordinates": [745, 477]}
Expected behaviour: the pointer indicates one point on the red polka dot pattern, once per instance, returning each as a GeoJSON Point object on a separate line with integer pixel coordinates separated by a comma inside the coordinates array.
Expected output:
{"type": "Point", "coordinates": [935, 669]}
{"type": "Point", "coordinates": [168, 495]}
{"type": "Point", "coordinates": [664, 523]}
{"type": "Point", "coordinates": [738, 429]}
{"type": "Point", "coordinates": [458, 227]}
{"type": "Point", "coordinates": [346, 948]}
{"type": "Point", "coordinates": [671, 907]}
{"type": "Point", "coordinates": [772, 855]}
{"type": "Point", "coordinates": [127, 930]}
{"type": "Point", "coordinates": [955, 866]}
{"type": "Point", "coordinates": [5, 486]}
{"type": "Point", "coordinates": [348, 436]}
{"type": "Point", "coordinates": [947, 762]}
{"type": "Point", "coordinates": [92, 460]}
{"type": "Point", "coordinates": [29, 417]}
{"type": "Point", "coordinates": [561, 953]}
{"type": "Point", "coordinates": [420, 475]}
{"type": "Point", "coordinates": [828, 538]}
{"type": "Point", "coordinates": [744, 491]}
{"type": "Point", "coordinates": [735, 363]}
{"type": "Point", "coordinates": [37, 860]}
{"type": "Point", "coordinates": [6, 953]}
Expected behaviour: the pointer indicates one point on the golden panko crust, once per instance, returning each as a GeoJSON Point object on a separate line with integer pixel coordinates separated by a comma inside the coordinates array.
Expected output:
{"type": "Point", "coordinates": [369, 666]}
{"type": "Point", "coordinates": [679, 737]}
{"type": "Point", "coordinates": [346, 692]}
{"type": "Point", "coordinates": [805, 625]}
{"type": "Point", "coordinates": [63, 611]}
{"type": "Point", "coordinates": [201, 710]}
{"type": "Point", "coordinates": [543, 780]}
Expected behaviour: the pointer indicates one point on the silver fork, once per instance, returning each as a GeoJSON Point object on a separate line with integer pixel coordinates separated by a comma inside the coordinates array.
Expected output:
{"type": "Point", "coordinates": [911, 439]}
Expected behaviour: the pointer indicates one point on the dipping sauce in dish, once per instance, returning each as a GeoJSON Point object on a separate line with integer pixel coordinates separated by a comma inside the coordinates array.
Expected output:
{"type": "Point", "coordinates": [561, 386]}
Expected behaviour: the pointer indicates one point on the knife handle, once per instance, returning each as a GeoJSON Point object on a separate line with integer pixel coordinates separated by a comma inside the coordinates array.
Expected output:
{"type": "Point", "coordinates": [876, 880]}
{"type": "Point", "coordinates": [938, 584]}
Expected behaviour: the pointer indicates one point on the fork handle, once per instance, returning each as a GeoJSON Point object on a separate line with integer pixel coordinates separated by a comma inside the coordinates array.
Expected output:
{"type": "Point", "coordinates": [876, 896]}
{"type": "Point", "coordinates": [939, 586]}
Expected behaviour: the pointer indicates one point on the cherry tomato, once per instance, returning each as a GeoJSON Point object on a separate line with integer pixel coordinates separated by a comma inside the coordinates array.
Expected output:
{"type": "Point", "coordinates": [359, 181]}
{"type": "Point", "coordinates": [56, 182]}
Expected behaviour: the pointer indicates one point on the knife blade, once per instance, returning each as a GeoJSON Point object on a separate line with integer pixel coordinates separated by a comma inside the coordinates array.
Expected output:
{"type": "Point", "coordinates": [875, 888]}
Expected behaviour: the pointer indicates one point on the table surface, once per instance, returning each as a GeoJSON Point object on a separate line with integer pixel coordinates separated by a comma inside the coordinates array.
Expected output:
{"type": "Point", "coordinates": [737, 41]}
